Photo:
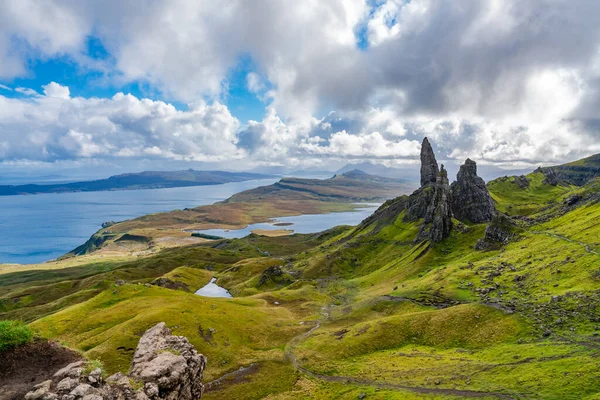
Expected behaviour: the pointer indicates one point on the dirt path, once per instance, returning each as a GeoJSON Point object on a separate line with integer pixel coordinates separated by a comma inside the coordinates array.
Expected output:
{"type": "Point", "coordinates": [586, 246]}
{"type": "Point", "coordinates": [289, 352]}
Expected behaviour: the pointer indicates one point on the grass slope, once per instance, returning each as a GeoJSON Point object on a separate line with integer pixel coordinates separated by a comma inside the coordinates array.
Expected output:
{"type": "Point", "coordinates": [358, 311]}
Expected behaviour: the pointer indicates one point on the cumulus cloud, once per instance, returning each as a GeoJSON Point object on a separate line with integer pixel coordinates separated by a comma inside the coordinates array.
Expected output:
{"type": "Point", "coordinates": [56, 126]}
{"type": "Point", "coordinates": [505, 81]}
{"type": "Point", "coordinates": [53, 89]}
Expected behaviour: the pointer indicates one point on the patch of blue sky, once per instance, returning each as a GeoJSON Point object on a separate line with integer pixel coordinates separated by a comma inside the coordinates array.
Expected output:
{"type": "Point", "coordinates": [242, 103]}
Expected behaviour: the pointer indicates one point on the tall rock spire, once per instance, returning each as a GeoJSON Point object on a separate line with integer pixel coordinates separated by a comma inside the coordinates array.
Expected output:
{"type": "Point", "coordinates": [429, 166]}
{"type": "Point", "coordinates": [471, 200]}
{"type": "Point", "coordinates": [437, 223]}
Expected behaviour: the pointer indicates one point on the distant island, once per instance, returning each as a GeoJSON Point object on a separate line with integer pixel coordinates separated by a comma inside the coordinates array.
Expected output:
{"type": "Point", "coordinates": [133, 181]}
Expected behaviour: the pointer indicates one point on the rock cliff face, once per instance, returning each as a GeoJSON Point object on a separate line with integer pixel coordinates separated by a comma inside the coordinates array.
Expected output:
{"type": "Point", "coordinates": [437, 223]}
{"type": "Point", "coordinates": [471, 200]}
{"type": "Point", "coordinates": [418, 202]}
{"type": "Point", "coordinates": [429, 166]}
{"type": "Point", "coordinates": [164, 367]}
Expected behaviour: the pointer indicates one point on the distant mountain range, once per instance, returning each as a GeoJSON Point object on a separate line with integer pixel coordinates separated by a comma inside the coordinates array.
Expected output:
{"type": "Point", "coordinates": [141, 180]}
{"type": "Point", "coordinates": [410, 172]}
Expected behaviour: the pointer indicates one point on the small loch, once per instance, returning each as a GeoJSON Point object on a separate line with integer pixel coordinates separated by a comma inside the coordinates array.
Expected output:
{"type": "Point", "coordinates": [211, 289]}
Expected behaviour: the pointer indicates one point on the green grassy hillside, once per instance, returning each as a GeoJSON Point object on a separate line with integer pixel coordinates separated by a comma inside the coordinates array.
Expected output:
{"type": "Point", "coordinates": [359, 312]}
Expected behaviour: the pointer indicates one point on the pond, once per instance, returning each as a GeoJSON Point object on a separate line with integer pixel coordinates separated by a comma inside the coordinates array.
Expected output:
{"type": "Point", "coordinates": [211, 289]}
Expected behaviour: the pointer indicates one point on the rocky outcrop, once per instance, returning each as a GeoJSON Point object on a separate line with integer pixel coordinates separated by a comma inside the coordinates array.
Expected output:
{"type": "Point", "coordinates": [164, 367]}
{"type": "Point", "coordinates": [550, 176]}
{"type": "Point", "coordinates": [437, 223]}
{"type": "Point", "coordinates": [471, 200]}
{"type": "Point", "coordinates": [418, 202]}
{"type": "Point", "coordinates": [499, 231]}
{"type": "Point", "coordinates": [429, 166]}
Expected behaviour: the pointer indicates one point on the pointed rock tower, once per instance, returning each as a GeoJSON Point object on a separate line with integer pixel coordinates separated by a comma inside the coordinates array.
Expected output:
{"type": "Point", "coordinates": [471, 200]}
{"type": "Point", "coordinates": [419, 201]}
{"type": "Point", "coordinates": [429, 166]}
{"type": "Point", "coordinates": [437, 223]}
{"type": "Point", "coordinates": [432, 201]}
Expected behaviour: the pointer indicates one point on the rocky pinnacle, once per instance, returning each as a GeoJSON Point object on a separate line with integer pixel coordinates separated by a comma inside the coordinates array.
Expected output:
{"type": "Point", "coordinates": [471, 200]}
{"type": "Point", "coordinates": [429, 166]}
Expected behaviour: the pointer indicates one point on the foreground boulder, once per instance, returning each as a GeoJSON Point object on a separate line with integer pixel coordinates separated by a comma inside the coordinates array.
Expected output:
{"type": "Point", "coordinates": [164, 367]}
{"type": "Point", "coordinates": [471, 200]}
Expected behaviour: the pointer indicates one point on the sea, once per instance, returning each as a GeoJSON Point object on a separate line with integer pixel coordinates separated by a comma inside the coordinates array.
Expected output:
{"type": "Point", "coordinates": [39, 228]}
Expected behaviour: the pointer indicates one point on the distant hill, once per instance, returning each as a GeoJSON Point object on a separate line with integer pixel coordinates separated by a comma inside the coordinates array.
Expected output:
{"type": "Point", "coordinates": [141, 180]}
{"type": "Point", "coordinates": [577, 172]}
{"type": "Point", "coordinates": [409, 173]}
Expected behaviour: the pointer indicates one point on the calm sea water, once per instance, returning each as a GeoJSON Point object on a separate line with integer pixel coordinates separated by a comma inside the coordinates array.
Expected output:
{"type": "Point", "coordinates": [43, 227]}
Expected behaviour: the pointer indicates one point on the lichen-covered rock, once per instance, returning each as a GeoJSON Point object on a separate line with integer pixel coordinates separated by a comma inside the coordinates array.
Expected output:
{"type": "Point", "coordinates": [169, 367]}
{"type": "Point", "coordinates": [471, 200]}
{"type": "Point", "coordinates": [429, 166]}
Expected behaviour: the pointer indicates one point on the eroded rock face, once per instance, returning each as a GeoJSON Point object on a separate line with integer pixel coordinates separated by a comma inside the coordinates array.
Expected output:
{"type": "Point", "coordinates": [164, 367]}
{"type": "Point", "coordinates": [437, 222]}
{"type": "Point", "coordinates": [471, 200]}
{"type": "Point", "coordinates": [429, 166]}
{"type": "Point", "coordinates": [418, 202]}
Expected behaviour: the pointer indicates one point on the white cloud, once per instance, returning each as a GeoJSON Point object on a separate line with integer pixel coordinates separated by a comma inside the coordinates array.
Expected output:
{"type": "Point", "coordinates": [4, 87]}
{"type": "Point", "coordinates": [53, 89]}
{"type": "Point", "coordinates": [55, 126]}
{"type": "Point", "coordinates": [503, 80]}
{"type": "Point", "coordinates": [26, 91]}
{"type": "Point", "coordinates": [254, 83]}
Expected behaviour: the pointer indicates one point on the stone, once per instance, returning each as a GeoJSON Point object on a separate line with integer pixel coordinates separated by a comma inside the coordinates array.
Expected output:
{"type": "Point", "coordinates": [169, 361]}
{"type": "Point", "coordinates": [82, 389]}
{"type": "Point", "coordinates": [169, 367]}
{"type": "Point", "coordinates": [95, 376]}
{"type": "Point", "coordinates": [471, 200]}
{"type": "Point", "coordinates": [429, 166]}
{"type": "Point", "coordinates": [92, 397]}
{"type": "Point", "coordinates": [72, 370]}
{"type": "Point", "coordinates": [41, 391]}
{"type": "Point", "coordinates": [151, 390]}
{"type": "Point", "coordinates": [67, 384]}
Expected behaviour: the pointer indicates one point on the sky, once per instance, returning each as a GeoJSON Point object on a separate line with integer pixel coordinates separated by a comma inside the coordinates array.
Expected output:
{"type": "Point", "coordinates": [104, 86]}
